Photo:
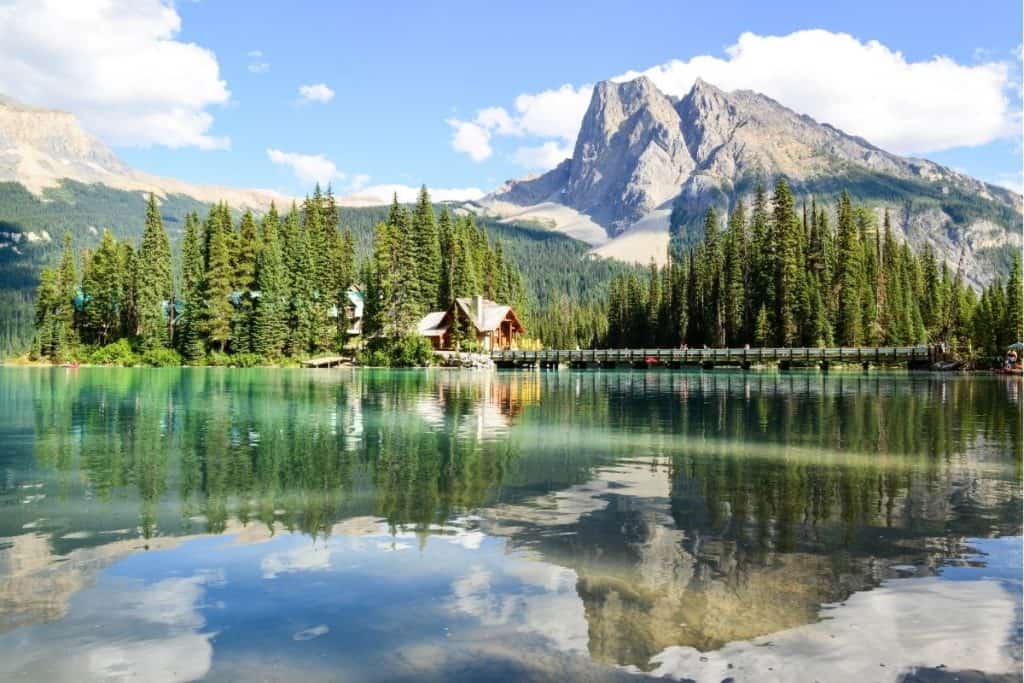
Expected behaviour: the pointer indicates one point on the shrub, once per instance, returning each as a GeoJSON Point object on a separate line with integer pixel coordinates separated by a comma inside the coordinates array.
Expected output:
{"type": "Point", "coordinates": [406, 352]}
{"type": "Point", "coordinates": [373, 358]}
{"type": "Point", "coordinates": [246, 360]}
{"type": "Point", "coordinates": [413, 351]}
{"type": "Point", "coordinates": [161, 358]}
{"type": "Point", "coordinates": [238, 360]}
{"type": "Point", "coordinates": [116, 353]}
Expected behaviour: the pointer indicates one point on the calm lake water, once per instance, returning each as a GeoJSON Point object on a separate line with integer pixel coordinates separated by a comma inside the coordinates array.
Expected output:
{"type": "Point", "coordinates": [357, 525]}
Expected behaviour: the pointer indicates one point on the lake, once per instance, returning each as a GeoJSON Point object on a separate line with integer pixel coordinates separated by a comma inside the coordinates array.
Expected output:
{"type": "Point", "coordinates": [365, 525]}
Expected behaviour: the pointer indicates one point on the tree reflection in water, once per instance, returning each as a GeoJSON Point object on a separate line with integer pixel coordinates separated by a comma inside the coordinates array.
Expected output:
{"type": "Point", "coordinates": [695, 509]}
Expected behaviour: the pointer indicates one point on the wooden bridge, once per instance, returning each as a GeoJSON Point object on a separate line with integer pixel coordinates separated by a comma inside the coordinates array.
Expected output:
{"type": "Point", "coordinates": [912, 356]}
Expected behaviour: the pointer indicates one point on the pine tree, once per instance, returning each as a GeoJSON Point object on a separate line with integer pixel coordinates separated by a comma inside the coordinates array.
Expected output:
{"type": "Point", "coordinates": [762, 328]}
{"type": "Point", "coordinates": [868, 234]}
{"type": "Point", "coordinates": [447, 246]}
{"type": "Point", "coordinates": [270, 320]}
{"type": "Point", "coordinates": [762, 256]}
{"type": "Point", "coordinates": [155, 285]}
{"type": "Point", "coordinates": [848, 276]}
{"type": "Point", "coordinates": [67, 284]}
{"type": "Point", "coordinates": [1013, 326]}
{"type": "Point", "coordinates": [220, 278]}
{"type": "Point", "coordinates": [734, 277]}
{"type": "Point", "coordinates": [426, 248]}
{"type": "Point", "coordinates": [191, 327]}
{"type": "Point", "coordinates": [246, 245]}
{"type": "Point", "coordinates": [103, 293]}
{"type": "Point", "coordinates": [47, 342]}
{"type": "Point", "coordinates": [788, 271]}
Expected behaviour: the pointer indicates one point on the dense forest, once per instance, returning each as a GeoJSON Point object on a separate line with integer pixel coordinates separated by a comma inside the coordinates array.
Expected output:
{"type": "Point", "coordinates": [253, 290]}
{"type": "Point", "coordinates": [554, 266]}
{"type": "Point", "coordinates": [267, 290]}
{"type": "Point", "coordinates": [779, 276]}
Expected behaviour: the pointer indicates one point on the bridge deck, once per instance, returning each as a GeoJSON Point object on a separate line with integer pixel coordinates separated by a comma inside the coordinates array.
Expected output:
{"type": "Point", "coordinates": [872, 354]}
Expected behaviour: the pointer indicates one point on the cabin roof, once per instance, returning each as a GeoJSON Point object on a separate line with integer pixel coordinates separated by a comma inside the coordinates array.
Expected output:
{"type": "Point", "coordinates": [431, 325]}
{"type": "Point", "coordinates": [493, 313]}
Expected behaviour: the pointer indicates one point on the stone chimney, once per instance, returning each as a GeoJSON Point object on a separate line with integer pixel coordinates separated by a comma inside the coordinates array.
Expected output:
{"type": "Point", "coordinates": [478, 310]}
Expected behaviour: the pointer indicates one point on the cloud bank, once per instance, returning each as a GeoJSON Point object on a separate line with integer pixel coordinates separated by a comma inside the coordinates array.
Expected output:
{"type": "Point", "coordinates": [864, 88]}
{"type": "Point", "coordinates": [116, 65]}
{"type": "Point", "coordinates": [355, 188]}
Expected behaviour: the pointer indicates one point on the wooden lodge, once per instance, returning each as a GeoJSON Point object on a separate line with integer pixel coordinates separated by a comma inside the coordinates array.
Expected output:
{"type": "Point", "coordinates": [494, 326]}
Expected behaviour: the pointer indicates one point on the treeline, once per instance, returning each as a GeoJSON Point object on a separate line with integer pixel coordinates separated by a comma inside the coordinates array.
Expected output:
{"type": "Point", "coordinates": [779, 276]}
{"type": "Point", "coordinates": [260, 290]}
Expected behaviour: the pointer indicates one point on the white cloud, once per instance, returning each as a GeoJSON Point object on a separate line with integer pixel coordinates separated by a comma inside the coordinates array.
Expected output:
{"type": "Point", "coordinates": [549, 114]}
{"type": "Point", "coordinates": [864, 88]}
{"type": "Point", "coordinates": [117, 66]}
{"type": "Point", "coordinates": [318, 92]}
{"type": "Point", "coordinates": [554, 113]}
{"type": "Point", "coordinates": [359, 181]}
{"type": "Point", "coordinates": [355, 188]}
{"type": "Point", "coordinates": [542, 157]}
{"type": "Point", "coordinates": [382, 194]}
{"type": "Point", "coordinates": [498, 120]}
{"type": "Point", "coordinates": [471, 138]}
{"type": "Point", "coordinates": [307, 557]}
{"type": "Point", "coordinates": [309, 168]}
{"type": "Point", "coordinates": [257, 65]}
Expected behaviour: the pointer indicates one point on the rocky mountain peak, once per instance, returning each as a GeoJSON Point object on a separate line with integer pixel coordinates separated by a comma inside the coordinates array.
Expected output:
{"type": "Point", "coordinates": [50, 133]}
{"type": "Point", "coordinates": [40, 148]}
{"type": "Point", "coordinates": [640, 154]}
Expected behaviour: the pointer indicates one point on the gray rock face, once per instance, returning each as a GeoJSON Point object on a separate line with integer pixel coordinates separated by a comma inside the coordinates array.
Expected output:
{"type": "Point", "coordinates": [638, 151]}
{"type": "Point", "coordinates": [631, 156]}
{"type": "Point", "coordinates": [41, 147]}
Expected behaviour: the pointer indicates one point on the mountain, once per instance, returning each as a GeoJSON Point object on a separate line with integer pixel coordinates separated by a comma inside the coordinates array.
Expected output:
{"type": "Point", "coordinates": [41, 148]}
{"type": "Point", "coordinates": [646, 167]}
{"type": "Point", "coordinates": [55, 178]}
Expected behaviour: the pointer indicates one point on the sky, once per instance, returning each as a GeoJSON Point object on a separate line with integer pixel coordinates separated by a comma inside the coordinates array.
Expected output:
{"type": "Point", "coordinates": [373, 97]}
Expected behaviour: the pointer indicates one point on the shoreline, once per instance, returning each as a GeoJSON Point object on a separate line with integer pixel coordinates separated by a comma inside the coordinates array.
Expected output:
{"type": "Point", "coordinates": [846, 368]}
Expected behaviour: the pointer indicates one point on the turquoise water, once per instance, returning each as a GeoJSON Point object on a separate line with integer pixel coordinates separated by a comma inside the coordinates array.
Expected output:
{"type": "Point", "coordinates": [215, 524]}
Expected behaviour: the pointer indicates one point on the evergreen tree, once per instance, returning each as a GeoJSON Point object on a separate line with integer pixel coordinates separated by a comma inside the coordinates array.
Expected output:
{"type": "Point", "coordinates": [762, 328]}
{"type": "Point", "coordinates": [220, 276]}
{"type": "Point", "coordinates": [67, 283]}
{"type": "Point", "coordinates": [734, 277]}
{"type": "Point", "coordinates": [848, 276]}
{"type": "Point", "coordinates": [1013, 326]}
{"type": "Point", "coordinates": [246, 248]}
{"type": "Point", "coordinates": [426, 247]}
{"type": "Point", "coordinates": [48, 343]}
{"type": "Point", "coordinates": [191, 326]}
{"type": "Point", "coordinates": [103, 293]}
{"type": "Point", "coordinates": [155, 287]}
{"type": "Point", "coordinates": [788, 267]}
{"type": "Point", "coordinates": [270, 320]}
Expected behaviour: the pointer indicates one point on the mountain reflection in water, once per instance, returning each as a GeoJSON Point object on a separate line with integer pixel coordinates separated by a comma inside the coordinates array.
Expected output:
{"type": "Point", "coordinates": [654, 521]}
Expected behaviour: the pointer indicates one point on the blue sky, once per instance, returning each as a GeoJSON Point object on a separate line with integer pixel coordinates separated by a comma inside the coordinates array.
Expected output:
{"type": "Point", "coordinates": [407, 78]}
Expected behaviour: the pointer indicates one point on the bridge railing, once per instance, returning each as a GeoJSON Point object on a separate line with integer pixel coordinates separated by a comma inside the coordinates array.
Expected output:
{"type": "Point", "coordinates": [729, 355]}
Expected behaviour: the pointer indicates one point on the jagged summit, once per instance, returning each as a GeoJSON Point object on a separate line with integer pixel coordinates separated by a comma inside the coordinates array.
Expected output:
{"type": "Point", "coordinates": [641, 154]}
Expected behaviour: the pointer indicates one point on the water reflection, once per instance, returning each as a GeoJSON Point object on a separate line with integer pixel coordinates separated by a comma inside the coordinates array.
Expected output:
{"type": "Point", "coordinates": [647, 520]}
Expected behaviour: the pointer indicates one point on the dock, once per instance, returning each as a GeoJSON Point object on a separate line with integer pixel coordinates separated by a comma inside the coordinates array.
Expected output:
{"type": "Point", "coordinates": [327, 361]}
